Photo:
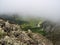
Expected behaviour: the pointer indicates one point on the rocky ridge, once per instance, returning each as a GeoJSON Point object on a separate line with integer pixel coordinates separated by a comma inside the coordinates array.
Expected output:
{"type": "Point", "coordinates": [12, 34]}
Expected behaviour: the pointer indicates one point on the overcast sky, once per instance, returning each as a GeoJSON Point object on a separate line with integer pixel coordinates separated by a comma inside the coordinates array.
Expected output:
{"type": "Point", "coordinates": [43, 8]}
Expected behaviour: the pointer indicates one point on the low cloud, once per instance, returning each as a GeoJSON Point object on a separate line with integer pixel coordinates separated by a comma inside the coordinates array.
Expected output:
{"type": "Point", "coordinates": [49, 9]}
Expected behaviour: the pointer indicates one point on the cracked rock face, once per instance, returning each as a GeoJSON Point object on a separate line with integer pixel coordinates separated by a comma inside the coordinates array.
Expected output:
{"type": "Point", "coordinates": [13, 35]}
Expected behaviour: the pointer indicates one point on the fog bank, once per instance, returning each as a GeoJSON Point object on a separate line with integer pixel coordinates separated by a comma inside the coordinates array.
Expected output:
{"type": "Point", "coordinates": [49, 9]}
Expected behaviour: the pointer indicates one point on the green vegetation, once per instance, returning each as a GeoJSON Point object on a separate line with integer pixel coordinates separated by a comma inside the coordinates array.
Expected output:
{"type": "Point", "coordinates": [26, 23]}
{"type": "Point", "coordinates": [2, 34]}
{"type": "Point", "coordinates": [33, 26]}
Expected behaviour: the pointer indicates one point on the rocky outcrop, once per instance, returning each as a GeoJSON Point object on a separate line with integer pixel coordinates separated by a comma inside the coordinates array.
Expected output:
{"type": "Point", "coordinates": [12, 34]}
{"type": "Point", "coordinates": [53, 31]}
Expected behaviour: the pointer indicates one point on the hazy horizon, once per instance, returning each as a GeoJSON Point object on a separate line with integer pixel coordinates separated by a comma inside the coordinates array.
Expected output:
{"type": "Point", "coordinates": [49, 9]}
